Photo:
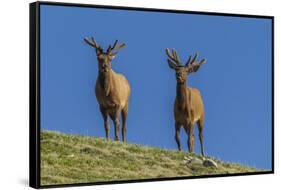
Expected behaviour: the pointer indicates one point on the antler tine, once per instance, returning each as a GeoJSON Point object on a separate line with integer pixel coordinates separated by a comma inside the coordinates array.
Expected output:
{"type": "Point", "coordinates": [202, 62]}
{"type": "Point", "coordinates": [92, 42]}
{"type": "Point", "coordinates": [171, 56]}
{"type": "Point", "coordinates": [169, 53]}
{"type": "Point", "coordinates": [188, 61]}
{"type": "Point", "coordinates": [176, 57]}
{"type": "Point", "coordinates": [119, 46]}
{"type": "Point", "coordinates": [109, 48]}
{"type": "Point", "coordinates": [89, 42]}
{"type": "Point", "coordinates": [194, 58]}
{"type": "Point", "coordinates": [115, 46]}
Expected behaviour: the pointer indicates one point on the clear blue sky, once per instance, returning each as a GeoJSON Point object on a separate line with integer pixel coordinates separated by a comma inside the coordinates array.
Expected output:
{"type": "Point", "coordinates": [235, 82]}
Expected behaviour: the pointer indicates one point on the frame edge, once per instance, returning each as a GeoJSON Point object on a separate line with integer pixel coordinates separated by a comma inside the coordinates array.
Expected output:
{"type": "Point", "coordinates": [34, 130]}
{"type": "Point", "coordinates": [34, 166]}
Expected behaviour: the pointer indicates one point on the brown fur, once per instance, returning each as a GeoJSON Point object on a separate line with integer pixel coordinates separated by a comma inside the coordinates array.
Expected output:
{"type": "Point", "coordinates": [188, 105]}
{"type": "Point", "coordinates": [112, 90]}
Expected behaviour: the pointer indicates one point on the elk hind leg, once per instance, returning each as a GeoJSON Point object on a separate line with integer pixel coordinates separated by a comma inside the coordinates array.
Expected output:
{"type": "Point", "coordinates": [116, 121]}
{"type": "Point", "coordinates": [200, 129]}
{"type": "Point", "coordinates": [124, 114]}
{"type": "Point", "coordinates": [177, 136]}
{"type": "Point", "coordinates": [190, 133]}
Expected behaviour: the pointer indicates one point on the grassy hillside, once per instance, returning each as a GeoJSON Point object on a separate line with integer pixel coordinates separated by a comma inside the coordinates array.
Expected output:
{"type": "Point", "coordinates": [67, 159]}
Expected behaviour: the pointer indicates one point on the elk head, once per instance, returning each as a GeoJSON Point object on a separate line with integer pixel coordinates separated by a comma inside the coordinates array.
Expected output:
{"type": "Point", "coordinates": [104, 58]}
{"type": "Point", "coordinates": [183, 70]}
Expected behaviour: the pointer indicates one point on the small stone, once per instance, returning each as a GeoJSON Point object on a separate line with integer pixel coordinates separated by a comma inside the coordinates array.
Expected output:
{"type": "Point", "coordinates": [194, 160]}
{"type": "Point", "coordinates": [187, 158]}
{"type": "Point", "coordinates": [210, 163]}
{"type": "Point", "coordinates": [71, 156]}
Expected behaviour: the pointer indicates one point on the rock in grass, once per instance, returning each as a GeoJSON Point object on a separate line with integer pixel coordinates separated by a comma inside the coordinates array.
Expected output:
{"type": "Point", "coordinates": [193, 160]}
{"type": "Point", "coordinates": [71, 156]}
{"type": "Point", "coordinates": [210, 163]}
{"type": "Point", "coordinates": [196, 160]}
{"type": "Point", "coordinates": [187, 158]}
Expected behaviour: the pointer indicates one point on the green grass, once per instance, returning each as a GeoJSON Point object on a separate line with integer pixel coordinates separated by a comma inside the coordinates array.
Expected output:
{"type": "Point", "coordinates": [68, 159]}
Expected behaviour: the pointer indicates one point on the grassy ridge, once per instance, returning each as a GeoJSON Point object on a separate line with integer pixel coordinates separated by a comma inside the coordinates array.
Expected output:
{"type": "Point", "coordinates": [67, 159]}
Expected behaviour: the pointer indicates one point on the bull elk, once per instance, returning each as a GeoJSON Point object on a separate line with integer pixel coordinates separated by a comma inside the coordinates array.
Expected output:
{"type": "Point", "coordinates": [112, 89]}
{"type": "Point", "coordinates": [188, 105]}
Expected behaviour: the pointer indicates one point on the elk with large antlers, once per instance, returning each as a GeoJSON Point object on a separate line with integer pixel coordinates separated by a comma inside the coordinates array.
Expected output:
{"type": "Point", "coordinates": [188, 105]}
{"type": "Point", "coordinates": [112, 89]}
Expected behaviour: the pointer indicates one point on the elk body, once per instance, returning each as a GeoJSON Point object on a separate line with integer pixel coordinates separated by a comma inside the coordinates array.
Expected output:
{"type": "Point", "coordinates": [112, 89]}
{"type": "Point", "coordinates": [188, 105]}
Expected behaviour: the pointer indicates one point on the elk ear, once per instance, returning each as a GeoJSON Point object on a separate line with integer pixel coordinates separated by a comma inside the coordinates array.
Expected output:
{"type": "Point", "coordinates": [194, 67]}
{"type": "Point", "coordinates": [171, 64]}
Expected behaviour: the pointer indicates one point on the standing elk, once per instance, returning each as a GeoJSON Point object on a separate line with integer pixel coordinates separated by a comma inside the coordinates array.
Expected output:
{"type": "Point", "coordinates": [188, 105]}
{"type": "Point", "coordinates": [112, 89]}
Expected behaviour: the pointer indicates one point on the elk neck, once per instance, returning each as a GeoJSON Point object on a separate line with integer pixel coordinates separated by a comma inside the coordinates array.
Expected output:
{"type": "Point", "coordinates": [104, 80]}
{"type": "Point", "coordinates": [183, 98]}
{"type": "Point", "coordinates": [181, 93]}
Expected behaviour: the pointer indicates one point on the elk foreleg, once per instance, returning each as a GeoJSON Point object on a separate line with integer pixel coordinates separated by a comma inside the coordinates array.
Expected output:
{"type": "Point", "coordinates": [116, 121]}
{"type": "Point", "coordinates": [106, 122]}
{"type": "Point", "coordinates": [190, 133]}
{"type": "Point", "coordinates": [177, 136]}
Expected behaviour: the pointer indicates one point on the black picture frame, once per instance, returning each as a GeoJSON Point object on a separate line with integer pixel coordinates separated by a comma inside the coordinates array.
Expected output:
{"type": "Point", "coordinates": [34, 91]}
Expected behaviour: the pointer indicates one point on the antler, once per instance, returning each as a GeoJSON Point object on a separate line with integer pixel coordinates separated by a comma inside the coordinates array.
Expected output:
{"type": "Point", "coordinates": [194, 65]}
{"type": "Point", "coordinates": [92, 42]}
{"type": "Point", "coordinates": [191, 61]}
{"type": "Point", "coordinates": [174, 56]}
{"type": "Point", "coordinates": [115, 47]}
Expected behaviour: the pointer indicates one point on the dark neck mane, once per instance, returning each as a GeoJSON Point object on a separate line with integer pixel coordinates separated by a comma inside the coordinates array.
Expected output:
{"type": "Point", "coordinates": [181, 92]}
{"type": "Point", "coordinates": [104, 80]}
{"type": "Point", "coordinates": [183, 98]}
